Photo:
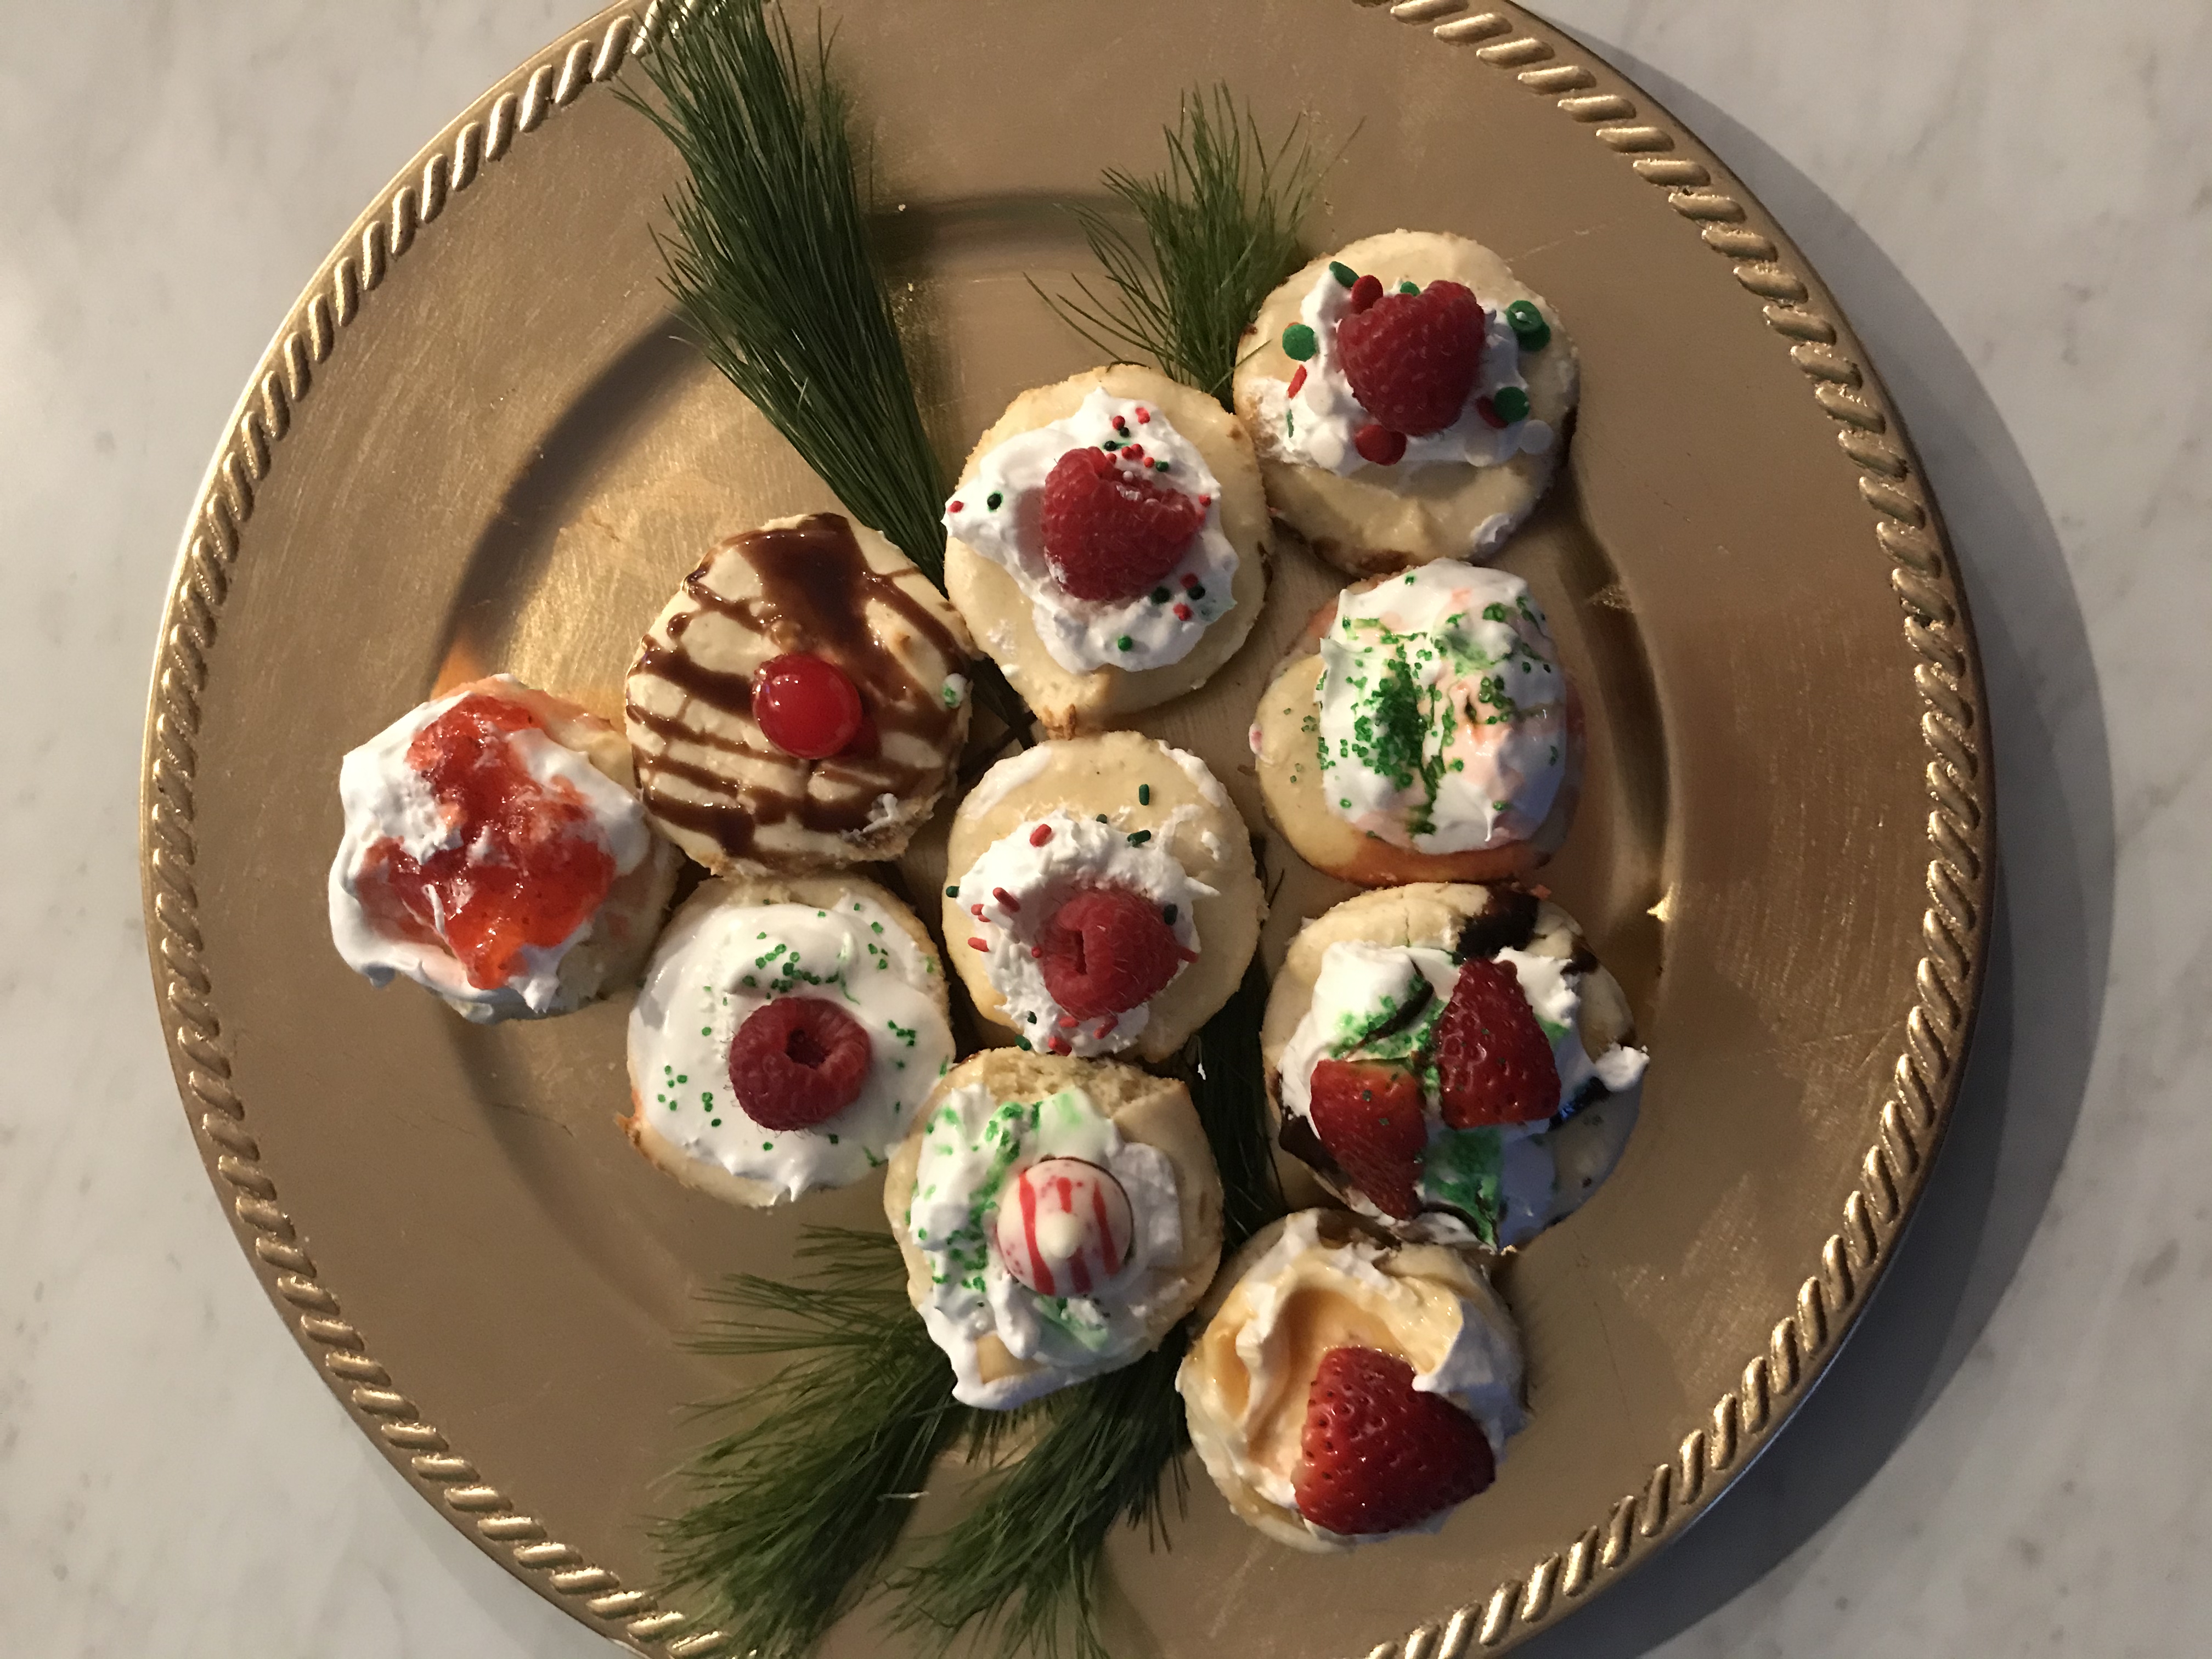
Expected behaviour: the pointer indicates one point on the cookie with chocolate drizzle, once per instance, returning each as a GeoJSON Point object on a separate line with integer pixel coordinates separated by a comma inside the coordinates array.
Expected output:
{"type": "Point", "coordinates": [800, 702]}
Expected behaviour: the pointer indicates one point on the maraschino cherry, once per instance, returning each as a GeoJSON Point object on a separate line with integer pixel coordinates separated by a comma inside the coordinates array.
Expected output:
{"type": "Point", "coordinates": [806, 705]}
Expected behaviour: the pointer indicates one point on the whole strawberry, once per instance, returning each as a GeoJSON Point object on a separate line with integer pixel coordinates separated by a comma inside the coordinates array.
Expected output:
{"type": "Point", "coordinates": [1379, 1454]}
{"type": "Point", "coordinates": [1369, 1118]}
{"type": "Point", "coordinates": [1412, 358]}
{"type": "Point", "coordinates": [1109, 533]}
{"type": "Point", "coordinates": [1107, 951]}
{"type": "Point", "coordinates": [1493, 1060]}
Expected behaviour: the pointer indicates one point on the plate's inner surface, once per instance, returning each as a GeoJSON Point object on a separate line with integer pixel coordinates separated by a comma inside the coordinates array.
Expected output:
{"type": "Point", "coordinates": [513, 458]}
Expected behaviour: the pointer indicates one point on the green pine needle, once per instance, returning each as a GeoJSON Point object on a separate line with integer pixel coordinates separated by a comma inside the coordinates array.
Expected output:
{"type": "Point", "coordinates": [1220, 227]}
{"type": "Point", "coordinates": [771, 262]}
{"type": "Point", "coordinates": [807, 1491]}
{"type": "Point", "coordinates": [1228, 1084]}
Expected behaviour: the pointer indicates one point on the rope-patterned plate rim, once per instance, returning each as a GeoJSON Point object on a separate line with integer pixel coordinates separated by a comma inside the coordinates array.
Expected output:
{"type": "Point", "coordinates": [1906, 532]}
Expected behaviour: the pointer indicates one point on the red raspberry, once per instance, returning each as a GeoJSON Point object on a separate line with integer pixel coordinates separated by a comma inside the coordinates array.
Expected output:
{"type": "Point", "coordinates": [1412, 358]}
{"type": "Point", "coordinates": [1380, 1454]}
{"type": "Point", "coordinates": [1109, 534]}
{"type": "Point", "coordinates": [1494, 1062]}
{"type": "Point", "coordinates": [1369, 1119]}
{"type": "Point", "coordinates": [797, 1061]}
{"type": "Point", "coordinates": [806, 705]}
{"type": "Point", "coordinates": [1107, 951]}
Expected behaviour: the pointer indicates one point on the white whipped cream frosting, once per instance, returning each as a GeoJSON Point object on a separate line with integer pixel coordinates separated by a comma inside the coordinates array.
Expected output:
{"type": "Point", "coordinates": [1315, 427]}
{"type": "Point", "coordinates": [1508, 1173]}
{"type": "Point", "coordinates": [1443, 710]}
{"type": "Point", "coordinates": [383, 797]}
{"type": "Point", "coordinates": [972, 1147]}
{"type": "Point", "coordinates": [1456, 1336]}
{"type": "Point", "coordinates": [1076, 853]}
{"type": "Point", "coordinates": [716, 965]}
{"type": "Point", "coordinates": [1148, 631]}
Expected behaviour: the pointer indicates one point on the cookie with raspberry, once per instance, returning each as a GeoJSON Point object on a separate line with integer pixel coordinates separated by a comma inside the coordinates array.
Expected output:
{"type": "Point", "coordinates": [786, 1036]}
{"type": "Point", "coordinates": [1100, 896]}
{"type": "Point", "coordinates": [1107, 544]}
{"type": "Point", "coordinates": [1410, 399]}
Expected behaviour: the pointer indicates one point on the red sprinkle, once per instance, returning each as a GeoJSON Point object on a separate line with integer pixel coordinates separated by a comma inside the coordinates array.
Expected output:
{"type": "Point", "coordinates": [1131, 452]}
{"type": "Point", "coordinates": [1183, 612]}
{"type": "Point", "coordinates": [1042, 833]}
{"type": "Point", "coordinates": [955, 508]}
{"type": "Point", "coordinates": [1058, 1045]}
{"type": "Point", "coordinates": [1296, 381]}
{"type": "Point", "coordinates": [977, 945]}
{"type": "Point", "coordinates": [1206, 500]}
{"type": "Point", "coordinates": [1005, 898]}
{"type": "Point", "coordinates": [1189, 580]}
{"type": "Point", "coordinates": [1036, 949]}
{"type": "Point", "coordinates": [976, 911]}
{"type": "Point", "coordinates": [1144, 415]}
{"type": "Point", "coordinates": [1066, 1021]}
{"type": "Point", "coordinates": [1112, 1020]}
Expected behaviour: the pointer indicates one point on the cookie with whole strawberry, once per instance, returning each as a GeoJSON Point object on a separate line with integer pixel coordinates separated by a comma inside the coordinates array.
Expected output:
{"type": "Point", "coordinates": [786, 1036]}
{"type": "Point", "coordinates": [1101, 896]}
{"type": "Point", "coordinates": [1107, 544]}
{"type": "Point", "coordinates": [1452, 1062]}
{"type": "Point", "coordinates": [1058, 1218]}
{"type": "Point", "coordinates": [1410, 399]}
{"type": "Point", "coordinates": [800, 702]}
{"type": "Point", "coordinates": [1347, 1387]}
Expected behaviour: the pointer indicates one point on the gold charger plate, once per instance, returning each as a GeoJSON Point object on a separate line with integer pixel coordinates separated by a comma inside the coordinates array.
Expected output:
{"type": "Point", "coordinates": [476, 441]}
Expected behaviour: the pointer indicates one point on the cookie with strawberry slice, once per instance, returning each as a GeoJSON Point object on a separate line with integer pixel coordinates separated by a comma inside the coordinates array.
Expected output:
{"type": "Point", "coordinates": [1410, 399]}
{"type": "Point", "coordinates": [1348, 1388]}
{"type": "Point", "coordinates": [1107, 544]}
{"type": "Point", "coordinates": [786, 1037]}
{"type": "Point", "coordinates": [1452, 1062]}
{"type": "Point", "coordinates": [1100, 896]}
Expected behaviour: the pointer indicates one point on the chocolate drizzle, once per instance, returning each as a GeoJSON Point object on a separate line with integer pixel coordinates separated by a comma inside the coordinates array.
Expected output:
{"type": "Point", "coordinates": [816, 590]}
{"type": "Point", "coordinates": [1507, 922]}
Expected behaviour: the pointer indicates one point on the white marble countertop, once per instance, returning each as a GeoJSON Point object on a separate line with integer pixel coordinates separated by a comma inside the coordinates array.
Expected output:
{"type": "Point", "coordinates": [2014, 204]}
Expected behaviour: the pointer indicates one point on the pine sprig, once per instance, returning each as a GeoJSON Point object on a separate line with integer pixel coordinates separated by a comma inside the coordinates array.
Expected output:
{"type": "Point", "coordinates": [807, 1491]}
{"type": "Point", "coordinates": [1021, 1571]}
{"type": "Point", "coordinates": [1227, 1080]}
{"type": "Point", "coordinates": [771, 264]}
{"type": "Point", "coordinates": [1220, 227]}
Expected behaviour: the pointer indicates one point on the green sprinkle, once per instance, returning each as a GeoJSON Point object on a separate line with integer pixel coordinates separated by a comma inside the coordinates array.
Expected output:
{"type": "Point", "coordinates": [767, 1145]}
{"type": "Point", "coordinates": [1407, 285]}
{"type": "Point", "coordinates": [1511, 403]}
{"type": "Point", "coordinates": [1529, 329]}
{"type": "Point", "coordinates": [952, 892]}
{"type": "Point", "coordinates": [1299, 342]}
{"type": "Point", "coordinates": [1143, 794]}
{"type": "Point", "coordinates": [1343, 272]}
{"type": "Point", "coordinates": [714, 1123]}
{"type": "Point", "coordinates": [1031, 1018]}
{"type": "Point", "coordinates": [993, 500]}
{"type": "Point", "coordinates": [1110, 444]}
{"type": "Point", "coordinates": [1168, 915]}
{"type": "Point", "coordinates": [1160, 596]}
{"type": "Point", "coordinates": [833, 1140]}
{"type": "Point", "coordinates": [1124, 642]}
{"type": "Point", "coordinates": [1102, 818]}
{"type": "Point", "coordinates": [706, 1030]}
{"type": "Point", "coordinates": [1138, 837]}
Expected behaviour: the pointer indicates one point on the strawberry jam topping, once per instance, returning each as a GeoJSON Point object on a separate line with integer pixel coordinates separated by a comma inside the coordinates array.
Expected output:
{"type": "Point", "coordinates": [528, 868]}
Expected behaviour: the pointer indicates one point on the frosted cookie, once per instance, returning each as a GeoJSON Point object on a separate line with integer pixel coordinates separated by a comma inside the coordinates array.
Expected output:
{"type": "Point", "coordinates": [1451, 1062]}
{"type": "Point", "coordinates": [1057, 1218]}
{"type": "Point", "coordinates": [1409, 398]}
{"type": "Point", "coordinates": [1423, 730]}
{"type": "Point", "coordinates": [1101, 896]}
{"type": "Point", "coordinates": [801, 700]}
{"type": "Point", "coordinates": [786, 1037]}
{"type": "Point", "coordinates": [1347, 1388]}
{"type": "Point", "coordinates": [493, 853]}
{"type": "Point", "coordinates": [1108, 544]}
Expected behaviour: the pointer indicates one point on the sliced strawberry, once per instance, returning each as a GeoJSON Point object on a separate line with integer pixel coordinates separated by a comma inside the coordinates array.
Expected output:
{"type": "Point", "coordinates": [1369, 1119]}
{"type": "Point", "coordinates": [1109, 533]}
{"type": "Point", "coordinates": [1412, 358]}
{"type": "Point", "coordinates": [1107, 951]}
{"type": "Point", "coordinates": [1494, 1062]}
{"type": "Point", "coordinates": [797, 1061]}
{"type": "Point", "coordinates": [1380, 1454]}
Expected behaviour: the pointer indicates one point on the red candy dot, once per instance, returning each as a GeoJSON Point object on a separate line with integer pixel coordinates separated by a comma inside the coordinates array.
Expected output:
{"type": "Point", "coordinates": [806, 707]}
{"type": "Point", "coordinates": [1376, 443]}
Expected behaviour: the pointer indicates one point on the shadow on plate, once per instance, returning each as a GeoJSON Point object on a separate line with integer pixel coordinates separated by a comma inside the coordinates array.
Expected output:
{"type": "Point", "coordinates": [2051, 937]}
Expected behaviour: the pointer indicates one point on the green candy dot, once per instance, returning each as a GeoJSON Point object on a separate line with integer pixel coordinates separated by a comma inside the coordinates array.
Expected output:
{"type": "Point", "coordinates": [1124, 642]}
{"type": "Point", "coordinates": [1528, 325]}
{"type": "Point", "coordinates": [1511, 403]}
{"type": "Point", "coordinates": [1299, 342]}
{"type": "Point", "coordinates": [1409, 286]}
{"type": "Point", "coordinates": [1343, 272]}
